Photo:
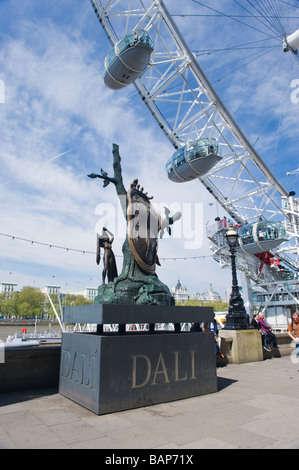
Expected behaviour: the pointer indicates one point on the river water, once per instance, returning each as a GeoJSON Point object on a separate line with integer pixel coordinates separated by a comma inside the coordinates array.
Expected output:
{"type": "Point", "coordinates": [5, 331]}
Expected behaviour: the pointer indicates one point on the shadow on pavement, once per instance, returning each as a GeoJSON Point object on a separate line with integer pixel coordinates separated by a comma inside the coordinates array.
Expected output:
{"type": "Point", "coordinates": [9, 398]}
{"type": "Point", "coordinates": [223, 383]}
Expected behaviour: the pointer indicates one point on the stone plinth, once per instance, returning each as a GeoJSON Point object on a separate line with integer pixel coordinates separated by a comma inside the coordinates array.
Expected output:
{"type": "Point", "coordinates": [113, 372]}
{"type": "Point", "coordinates": [246, 345]}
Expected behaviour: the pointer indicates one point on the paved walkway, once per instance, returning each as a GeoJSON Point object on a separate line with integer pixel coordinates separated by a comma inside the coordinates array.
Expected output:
{"type": "Point", "coordinates": [256, 407]}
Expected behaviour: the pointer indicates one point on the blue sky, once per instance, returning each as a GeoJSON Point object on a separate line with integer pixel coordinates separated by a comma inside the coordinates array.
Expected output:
{"type": "Point", "coordinates": [58, 123]}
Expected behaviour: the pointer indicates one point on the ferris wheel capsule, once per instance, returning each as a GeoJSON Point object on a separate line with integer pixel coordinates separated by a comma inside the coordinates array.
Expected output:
{"type": "Point", "coordinates": [128, 59]}
{"type": "Point", "coordinates": [261, 236]}
{"type": "Point", "coordinates": [291, 42]}
{"type": "Point", "coordinates": [193, 160]}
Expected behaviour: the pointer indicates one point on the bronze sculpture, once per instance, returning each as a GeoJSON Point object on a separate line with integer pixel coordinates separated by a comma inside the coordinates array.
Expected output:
{"type": "Point", "coordinates": [110, 268]}
{"type": "Point", "coordinates": [138, 282]}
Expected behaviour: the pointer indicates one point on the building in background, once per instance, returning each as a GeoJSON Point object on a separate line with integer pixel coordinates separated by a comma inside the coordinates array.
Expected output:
{"type": "Point", "coordinates": [7, 287]}
{"type": "Point", "coordinates": [88, 292]}
{"type": "Point", "coordinates": [179, 293]}
{"type": "Point", "coordinates": [51, 289]}
{"type": "Point", "coordinates": [209, 295]}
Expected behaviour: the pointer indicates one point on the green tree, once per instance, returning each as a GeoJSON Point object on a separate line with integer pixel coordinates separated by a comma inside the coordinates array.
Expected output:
{"type": "Point", "coordinates": [30, 302]}
{"type": "Point", "coordinates": [69, 300]}
{"type": "Point", "coordinates": [66, 301]}
{"type": "Point", "coordinates": [218, 305]}
{"type": "Point", "coordinates": [24, 310]}
{"type": "Point", "coordinates": [8, 304]}
{"type": "Point", "coordinates": [81, 300]}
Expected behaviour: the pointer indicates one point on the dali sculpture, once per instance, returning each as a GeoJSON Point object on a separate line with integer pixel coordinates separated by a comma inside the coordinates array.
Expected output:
{"type": "Point", "coordinates": [138, 282]}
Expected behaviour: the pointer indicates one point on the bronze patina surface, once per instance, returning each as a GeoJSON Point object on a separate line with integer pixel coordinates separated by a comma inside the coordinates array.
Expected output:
{"type": "Point", "coordinates": [138, 282]}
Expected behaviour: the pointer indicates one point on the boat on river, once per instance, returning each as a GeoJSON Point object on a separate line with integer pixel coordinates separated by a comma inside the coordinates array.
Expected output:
{"type": "Point", "coordinates": [36, 338]}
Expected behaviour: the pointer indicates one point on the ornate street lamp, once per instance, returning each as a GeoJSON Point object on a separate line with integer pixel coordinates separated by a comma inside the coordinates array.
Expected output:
{"type": "Point", "coordinates": [237, 318]}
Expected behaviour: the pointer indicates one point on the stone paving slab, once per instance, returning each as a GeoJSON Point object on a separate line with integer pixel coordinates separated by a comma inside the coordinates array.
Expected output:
{"type": "Point", "coordinates": [256, 407]}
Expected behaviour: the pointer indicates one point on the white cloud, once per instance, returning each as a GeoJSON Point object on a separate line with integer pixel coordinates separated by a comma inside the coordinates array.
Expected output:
{"type": "Point", "coordinates": [55, 102]}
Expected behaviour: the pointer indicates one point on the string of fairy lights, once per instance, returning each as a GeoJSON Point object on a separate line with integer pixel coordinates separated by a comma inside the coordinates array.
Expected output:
{"type": "Point", "coordinates": [68, 249]}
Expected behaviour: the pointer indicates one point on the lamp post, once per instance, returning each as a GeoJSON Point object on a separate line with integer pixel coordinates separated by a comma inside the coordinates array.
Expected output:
{"type": "Point", "coordinates": [237, 318]}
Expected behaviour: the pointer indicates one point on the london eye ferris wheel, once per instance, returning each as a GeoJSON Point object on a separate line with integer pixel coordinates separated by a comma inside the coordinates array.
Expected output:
{"type": "Point", "coordinates": [148, 51]}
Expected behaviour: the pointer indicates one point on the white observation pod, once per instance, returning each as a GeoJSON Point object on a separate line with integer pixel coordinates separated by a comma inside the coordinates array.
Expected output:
{"type": "Point", "coordinates": [128, 59]}
{"type": "Point", "coordinates": [291, 42]}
